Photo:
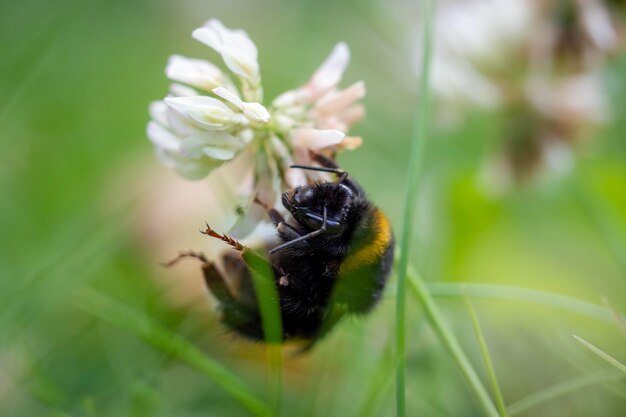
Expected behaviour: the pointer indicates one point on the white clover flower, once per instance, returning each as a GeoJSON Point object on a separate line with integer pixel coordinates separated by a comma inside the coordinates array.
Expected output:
{"type": "Point", "coordinates": [209, 128]}
{"type": "Point", "coordinates": [470, 38]}
{"type": "Point", "coordinates": [541, 61]}
{"type": "Point", "coordinates": [195, 72]}
{"type": "Point", "coordinates": [237, 50]}
{"type": "Point", "coordinates": [482, 47]}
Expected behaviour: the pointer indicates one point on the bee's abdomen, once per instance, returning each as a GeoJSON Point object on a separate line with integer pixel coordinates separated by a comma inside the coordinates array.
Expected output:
{"type": "Point", "coordinates": [370, 243]}
{"type": "Point", "coordinates": [366, 267]}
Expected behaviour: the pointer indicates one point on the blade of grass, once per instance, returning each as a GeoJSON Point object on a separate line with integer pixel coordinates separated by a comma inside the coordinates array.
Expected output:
{"type": "Point", "coordinates": [417, 284]}
{"type": "Point", "coordinates": [484, 350]}
{"type": "Point", "coordinates": [264, 284]}
{"type": "Point", "coordinates": [582, 362]}
{"type": "Point", "coordinates": [617, 318]}
{"type": "Point", "coordinates": [415, 162]}
{"type": "Point", "coordinates": [439, 325]}
{"type": "Point", "coordinates": [562, 388]}
{"type": "Point", "coordinates": [505, 292]}
{"type": "Point", "coordinates": [154, 333]}
{"type": "Point", "coordinates": [610, 359]}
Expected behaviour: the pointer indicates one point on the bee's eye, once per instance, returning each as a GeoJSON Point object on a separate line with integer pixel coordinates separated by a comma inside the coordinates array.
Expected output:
{"type": "Point", "coordinates": [315, 222]}
{"type": "Point", "coordinates": [303, 195]}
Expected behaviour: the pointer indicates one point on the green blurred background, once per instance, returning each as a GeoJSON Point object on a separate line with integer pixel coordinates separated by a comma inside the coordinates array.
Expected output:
{"type": "Point", "coordinates": [78, 179]}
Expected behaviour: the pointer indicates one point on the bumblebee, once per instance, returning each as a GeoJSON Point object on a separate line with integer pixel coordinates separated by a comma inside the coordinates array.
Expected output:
{"type": "Point", "coordinates": [332, 257]}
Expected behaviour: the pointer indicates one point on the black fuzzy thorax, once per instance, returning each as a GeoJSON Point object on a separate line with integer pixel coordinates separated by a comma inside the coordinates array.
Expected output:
{"type": "Point", "coordinates": [311, 272]}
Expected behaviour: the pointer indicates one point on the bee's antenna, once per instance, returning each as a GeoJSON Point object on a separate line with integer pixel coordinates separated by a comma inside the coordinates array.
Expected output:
{"type": "Point", "coordinates": [322, 160]}
{"type": "Point", "coordinates": [342, 174]}
{"type": "Point", "coordinates": [313, 168]}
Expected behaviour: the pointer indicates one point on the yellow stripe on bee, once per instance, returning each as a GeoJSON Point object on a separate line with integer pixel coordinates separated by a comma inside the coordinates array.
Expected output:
{"type": "Point", "coordinates": [372, 251]}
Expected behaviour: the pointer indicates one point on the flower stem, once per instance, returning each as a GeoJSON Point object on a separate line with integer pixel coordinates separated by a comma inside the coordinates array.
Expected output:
{"type": "Point", "coordinates": [415, 162]}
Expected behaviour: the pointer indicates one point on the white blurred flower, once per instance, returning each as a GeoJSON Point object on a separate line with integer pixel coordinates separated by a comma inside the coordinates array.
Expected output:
{"type": "Point", "coordinates": [539, 62]}
{"type": "Point", "coordinates": [578, 98]}
{"type": "Point", "coordinates": [596, 21]}
{"type": "Point", "coordinates": [481, 47]}
{"type": "Point", "coordinates": [208, 127]}
{"type": "Point", "coordinates": [469, 37]}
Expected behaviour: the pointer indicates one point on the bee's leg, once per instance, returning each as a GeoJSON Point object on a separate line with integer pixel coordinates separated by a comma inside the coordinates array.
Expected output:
{"type": "Point", "coordinates": [240, 280]}
{"type": "Point", "coordinates": [273, 214]}
{"type": "Point", "coordinates": [188, 254]}
{"type": "Point", "coordinates": [287, 232]}
{"type": "Point", "coordinates": [238, 302]}
{"type": "Point", "coordinates": [223, 237]}
{"type": "Point", "coordinates": [298, 240]}
{"type": "Point", "coordinates": [212, 276]}
{"type": "Point", "coordinates": [240, 293]}
{"type": "Point", "coordinates": [240, 311]}
{"type": "Point", "coordinates": [284, 229]}
{"type": "Point", "coordinates": [217, 284]}
{"type": "Point", "coordinates": [237, 311]}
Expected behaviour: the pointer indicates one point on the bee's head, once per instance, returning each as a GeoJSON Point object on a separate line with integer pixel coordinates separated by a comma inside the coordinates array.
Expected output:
{"type": "Point", "coordinates": [306, 204]}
